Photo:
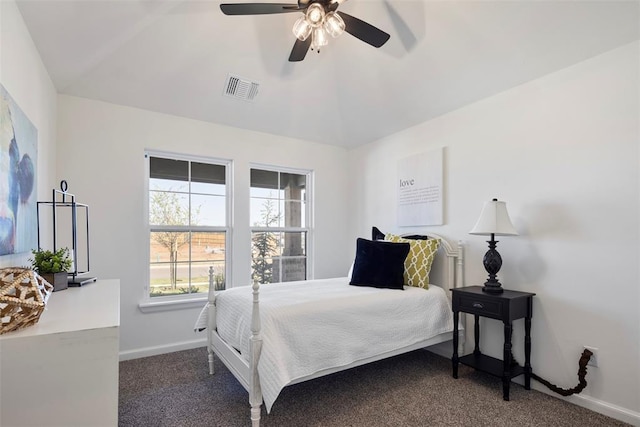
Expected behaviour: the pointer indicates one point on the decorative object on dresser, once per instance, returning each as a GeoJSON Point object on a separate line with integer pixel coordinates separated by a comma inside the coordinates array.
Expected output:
{"type": "Point", "coordinates": [52, 266]}
{"type": "Point", "coordinates": [494, 221]}
{"type": "Point", "coordinates": [23, 296]}
{"type": "Point", "coordinates": [65, 211]}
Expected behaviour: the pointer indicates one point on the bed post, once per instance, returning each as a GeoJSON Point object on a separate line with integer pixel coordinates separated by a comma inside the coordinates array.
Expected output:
{"type": "Point", "coordinates": [255, 346]}
{"type": "Point", "coordinates": [460, 283]}
{"type": "Point", "coordinates": [211, 319]}
{"type": "Point", "coordinates": [459, 265]}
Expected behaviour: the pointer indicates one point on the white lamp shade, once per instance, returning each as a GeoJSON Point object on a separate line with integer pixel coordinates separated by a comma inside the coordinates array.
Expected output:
{"type": "Point", "coordinates": [494, 219]}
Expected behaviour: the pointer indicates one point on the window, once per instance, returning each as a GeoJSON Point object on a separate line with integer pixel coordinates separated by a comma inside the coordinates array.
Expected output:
{"type": "Point", "coordinates": [280, 218]}
{"type": "Point", "coordinates": [188, 209]}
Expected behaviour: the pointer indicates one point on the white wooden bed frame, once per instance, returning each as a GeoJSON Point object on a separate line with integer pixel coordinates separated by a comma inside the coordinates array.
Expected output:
{"type": "Point", "coordinates": [451, 276]}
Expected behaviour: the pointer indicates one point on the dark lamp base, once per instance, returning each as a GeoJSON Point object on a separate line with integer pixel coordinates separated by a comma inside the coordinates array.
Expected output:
{"type": "Point", "coordinates": [492, 288]}
{"type": "Point", "coordinates": [492, 262]}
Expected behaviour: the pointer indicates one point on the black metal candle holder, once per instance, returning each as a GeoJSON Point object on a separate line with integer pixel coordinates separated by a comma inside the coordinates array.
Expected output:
{"type": "Point", "coordinates": [61, 199]}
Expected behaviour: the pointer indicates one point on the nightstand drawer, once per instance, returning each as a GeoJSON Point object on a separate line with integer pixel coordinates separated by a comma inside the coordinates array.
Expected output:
{"type": "Point", "coordinates": [479, 306]}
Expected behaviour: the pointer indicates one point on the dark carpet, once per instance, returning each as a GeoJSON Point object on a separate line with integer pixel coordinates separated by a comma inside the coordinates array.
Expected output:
{"type": "Point", "coordinates": [415, 389]}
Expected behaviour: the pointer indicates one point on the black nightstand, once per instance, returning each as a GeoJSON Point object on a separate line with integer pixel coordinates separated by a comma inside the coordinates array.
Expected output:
{"type": "Point", "coordinates": [506, 306]}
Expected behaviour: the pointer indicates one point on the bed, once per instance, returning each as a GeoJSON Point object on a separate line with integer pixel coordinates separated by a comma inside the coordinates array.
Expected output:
{"type": "Point", "coordinates": [291, 332]}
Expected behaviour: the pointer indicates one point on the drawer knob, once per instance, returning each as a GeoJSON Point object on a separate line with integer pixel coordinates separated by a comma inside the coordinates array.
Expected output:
{"type": "Point", "coordinates": [478, 305]}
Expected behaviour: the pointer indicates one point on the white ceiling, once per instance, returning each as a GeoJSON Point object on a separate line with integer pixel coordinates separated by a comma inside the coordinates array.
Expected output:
{"type": "Point", "coordinates": [173, 56]}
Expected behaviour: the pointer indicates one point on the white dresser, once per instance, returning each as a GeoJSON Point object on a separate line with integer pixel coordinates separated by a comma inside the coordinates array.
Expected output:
{"type": "Point", "coordinates": [63, 371]}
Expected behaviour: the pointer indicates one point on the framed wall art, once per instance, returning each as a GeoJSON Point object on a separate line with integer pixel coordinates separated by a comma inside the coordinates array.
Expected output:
{"type": "Point", "coordinates": [18, 166]}
{"type": "Point", "coordinates": [420, 189]}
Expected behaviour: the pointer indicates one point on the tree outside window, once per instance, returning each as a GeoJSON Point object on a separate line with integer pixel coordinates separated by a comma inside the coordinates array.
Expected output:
{"type": "Point", "coordinates": [279, 232]}
{"type": "Point", "coordinates": [187, 219]}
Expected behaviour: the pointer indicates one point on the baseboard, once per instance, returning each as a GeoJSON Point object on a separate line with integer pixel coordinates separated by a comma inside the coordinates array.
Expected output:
{"type": "Point", "coordinates": [596, 405]}
{"type": "Point", "coordinates": [162, 349]}
{"type": "Point", "coordinates": [442, 349]}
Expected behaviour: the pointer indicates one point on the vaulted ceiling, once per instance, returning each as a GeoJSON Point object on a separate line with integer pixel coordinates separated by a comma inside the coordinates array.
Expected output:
{"type": "Point", "coordinates": [174, 56]}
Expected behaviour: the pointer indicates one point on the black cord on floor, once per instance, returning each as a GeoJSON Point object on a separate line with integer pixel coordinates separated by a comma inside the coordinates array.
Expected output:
{"type": "Point", "coordinates": [582, 373]}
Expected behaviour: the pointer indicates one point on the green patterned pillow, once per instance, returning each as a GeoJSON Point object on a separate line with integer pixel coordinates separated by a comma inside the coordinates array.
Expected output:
{"type": "Point", "coordinates": [418, 263]}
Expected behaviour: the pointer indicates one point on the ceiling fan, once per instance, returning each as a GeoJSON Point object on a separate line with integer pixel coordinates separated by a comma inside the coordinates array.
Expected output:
{"type": "Point", "coordinates": [311, 30]}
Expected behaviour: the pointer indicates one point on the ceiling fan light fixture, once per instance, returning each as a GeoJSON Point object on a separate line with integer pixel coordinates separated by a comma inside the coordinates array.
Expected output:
{"type": "Point", "coordinates": [312, 30]}
{"type": "Point", "coordinates": [334, 24]}
{"type": "Point", "coordinates": [315, 14]}
{"type": "Point", "coordinates": [302, 29]}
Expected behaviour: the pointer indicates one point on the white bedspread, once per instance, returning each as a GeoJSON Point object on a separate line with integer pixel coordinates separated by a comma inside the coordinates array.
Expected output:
{"type": "Point", "coordinates": [310, 326]}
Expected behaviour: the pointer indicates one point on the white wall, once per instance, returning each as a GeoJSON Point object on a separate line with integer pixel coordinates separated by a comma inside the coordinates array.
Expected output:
{"type": "Point", "coordinates": [23, 75]}
{"type": "Point", "coordinates": [562, 151]}
{"type": "Point", "coordinates": [101, 149]}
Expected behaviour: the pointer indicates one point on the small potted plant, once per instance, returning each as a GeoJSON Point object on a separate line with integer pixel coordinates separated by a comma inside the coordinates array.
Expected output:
{"type": "Point", "coordinates": [52, 266]}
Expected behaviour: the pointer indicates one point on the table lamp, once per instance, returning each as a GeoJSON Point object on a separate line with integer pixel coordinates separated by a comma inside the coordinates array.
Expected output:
{"type": "Point", "coordinates": [494, 221]}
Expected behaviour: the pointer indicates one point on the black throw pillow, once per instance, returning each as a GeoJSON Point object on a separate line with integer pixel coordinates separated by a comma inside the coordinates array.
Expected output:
{"type": "Point", "coordinates": [376, 234]}
{"type": "Point", "coordinates": [379, 264]}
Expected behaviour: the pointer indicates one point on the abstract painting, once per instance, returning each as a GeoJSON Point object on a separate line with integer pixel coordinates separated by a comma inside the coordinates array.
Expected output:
{"type": "Point", "coordinates": [18, 166]}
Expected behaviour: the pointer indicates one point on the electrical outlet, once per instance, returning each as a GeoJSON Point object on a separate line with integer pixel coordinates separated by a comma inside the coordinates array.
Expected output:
{"type": "Point", "coordinates": [594, 357]}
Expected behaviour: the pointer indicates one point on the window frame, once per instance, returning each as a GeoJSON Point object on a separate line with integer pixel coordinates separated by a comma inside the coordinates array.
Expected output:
{"type": "Point", "coordinates": [170, 302]}
{"type": "Point", "coordinates": [308, 215]}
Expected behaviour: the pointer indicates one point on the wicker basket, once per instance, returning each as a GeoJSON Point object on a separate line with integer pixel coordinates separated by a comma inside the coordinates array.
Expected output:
{"type": "Point", "coordinates": [23, 296]}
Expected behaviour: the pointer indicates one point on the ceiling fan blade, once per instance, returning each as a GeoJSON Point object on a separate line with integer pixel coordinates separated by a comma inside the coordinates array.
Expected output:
{"type": "Point", "coordinates": [300, 49]}
{"type": "Point", "coordinates": [364, 31]}
{"type": "Point", "coordinates": [333, 5]}
{"type": "Point", "coordinates": [257, 8]}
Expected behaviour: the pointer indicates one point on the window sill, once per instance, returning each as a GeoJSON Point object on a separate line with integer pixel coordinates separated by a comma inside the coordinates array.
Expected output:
{"type": "Point", "coordinates": [157, 306]}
